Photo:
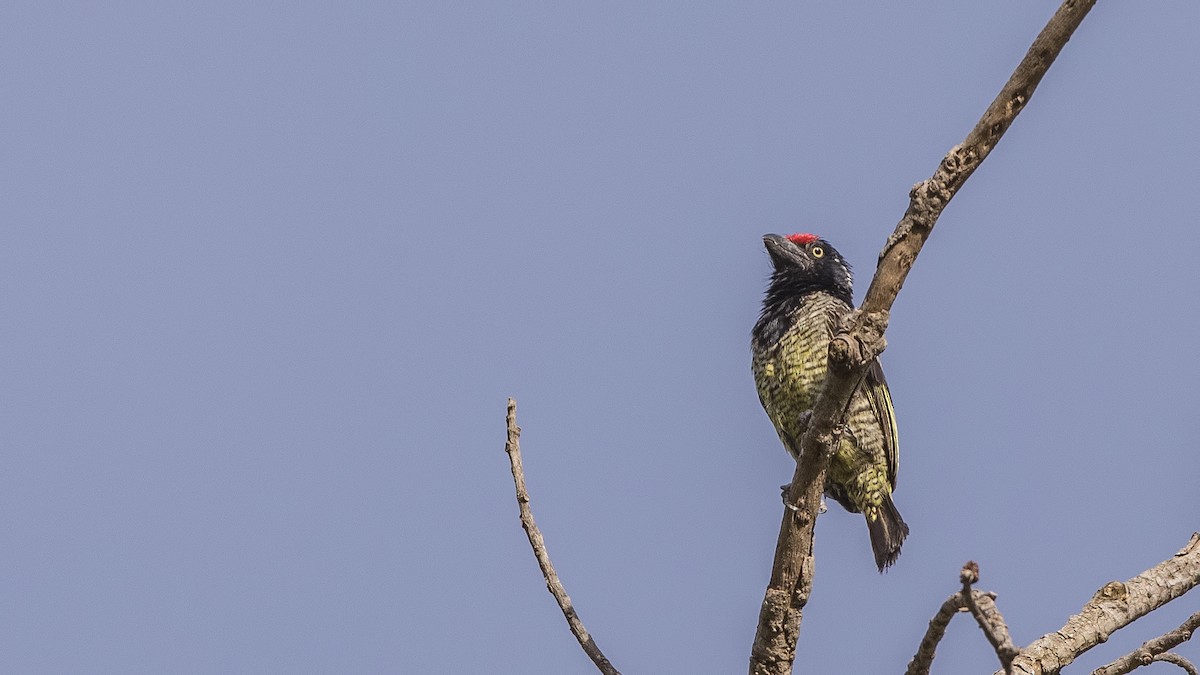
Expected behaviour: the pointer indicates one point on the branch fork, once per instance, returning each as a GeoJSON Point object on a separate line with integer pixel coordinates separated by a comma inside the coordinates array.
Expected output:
{"type": "Point", "coordinates": [982, 606]}
{"type": "Point", "coordinates": [774, 648]}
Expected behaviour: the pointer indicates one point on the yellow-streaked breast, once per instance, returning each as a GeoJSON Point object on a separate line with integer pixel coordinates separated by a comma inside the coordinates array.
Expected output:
{"type": "Point", "coordinates": [810, 293]}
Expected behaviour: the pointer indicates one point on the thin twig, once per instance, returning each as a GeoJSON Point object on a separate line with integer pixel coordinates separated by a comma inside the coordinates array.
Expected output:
{"type": "Point", "coordinates": [860, 339]}
{"type": "Point", "coordinates": [513, 448]}
{"type": "Point", "coordinates": [1178, 660]}
{"type": "Point", "coordinates": [981, 605]}
{"type": "Point", "coordinates": [1152, 649]}
{"type": "Point", "coordinates": [1113, 607]}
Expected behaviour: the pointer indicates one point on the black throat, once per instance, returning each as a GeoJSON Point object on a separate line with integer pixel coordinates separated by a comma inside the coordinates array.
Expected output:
{"type": "Point", "coordinates": [785, 297]}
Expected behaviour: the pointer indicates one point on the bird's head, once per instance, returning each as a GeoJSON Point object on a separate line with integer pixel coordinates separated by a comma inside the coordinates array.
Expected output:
{"type": "Point", "coordinates": [805, 263]}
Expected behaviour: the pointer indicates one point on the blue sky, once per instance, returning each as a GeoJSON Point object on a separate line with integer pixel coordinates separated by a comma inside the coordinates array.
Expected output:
{"type": "Point", "coordinates": [270, 271]}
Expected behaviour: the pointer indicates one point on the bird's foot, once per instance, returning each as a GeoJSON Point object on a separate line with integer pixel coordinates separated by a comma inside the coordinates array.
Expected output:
{"type": "Point", "coordinates": [783, 494]}
{"type": "Point", "coordinates": [843, 428]}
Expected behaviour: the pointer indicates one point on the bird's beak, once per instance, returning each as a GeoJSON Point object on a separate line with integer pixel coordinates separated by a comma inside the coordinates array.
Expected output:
{"type": "Point", "coordinates": [783, 252]}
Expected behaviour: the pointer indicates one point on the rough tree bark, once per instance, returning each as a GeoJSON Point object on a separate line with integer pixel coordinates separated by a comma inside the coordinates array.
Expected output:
{"type": "Point", "coordinates": [1156, 650]}
{"type": "Point", "coordinates": [1113, 607]}
{"type": "Point", "coordinates": [982, 606]}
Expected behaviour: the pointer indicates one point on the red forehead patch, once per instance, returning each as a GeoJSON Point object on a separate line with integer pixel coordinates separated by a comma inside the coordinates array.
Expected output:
{"type": "Point", "coordinates": [802, 239]}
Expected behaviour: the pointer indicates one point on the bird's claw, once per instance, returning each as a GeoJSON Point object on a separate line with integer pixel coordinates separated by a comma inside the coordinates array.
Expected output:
{"type": "Point", "coordinates": [783, 490]}
{"type": "Point", "coordinates": [822, 507]}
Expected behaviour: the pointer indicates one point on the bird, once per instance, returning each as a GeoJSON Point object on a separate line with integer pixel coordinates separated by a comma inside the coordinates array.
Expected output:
{"type": "Point", "coordinates": [810, 290]}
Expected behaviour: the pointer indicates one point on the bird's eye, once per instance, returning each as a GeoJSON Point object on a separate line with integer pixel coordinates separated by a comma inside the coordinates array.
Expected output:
{"type": "Point", "coordinates": [817, 252]}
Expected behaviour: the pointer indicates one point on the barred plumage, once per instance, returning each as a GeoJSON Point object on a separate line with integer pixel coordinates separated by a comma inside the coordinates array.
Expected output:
{"type": "Point", "coordinates": [810, 291]}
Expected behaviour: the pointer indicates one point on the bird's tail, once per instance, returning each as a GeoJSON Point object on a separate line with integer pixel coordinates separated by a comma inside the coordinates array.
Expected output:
{"type": "Point", "coordinates": [887, 530]}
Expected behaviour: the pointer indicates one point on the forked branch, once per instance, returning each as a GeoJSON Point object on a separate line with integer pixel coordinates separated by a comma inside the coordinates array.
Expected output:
{"type": "Point", "coordinates": [1156, 650]}
{"type": "Point", "coordinates": [982, 606]}
{"type": "Point", "coordinates": [860, 340]}
{"type": "Point", "coordinates": [1113, 607]}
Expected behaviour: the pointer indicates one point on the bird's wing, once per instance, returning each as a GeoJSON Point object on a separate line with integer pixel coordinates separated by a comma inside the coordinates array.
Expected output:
{"type": "Point", "coordinates": [875, 386]}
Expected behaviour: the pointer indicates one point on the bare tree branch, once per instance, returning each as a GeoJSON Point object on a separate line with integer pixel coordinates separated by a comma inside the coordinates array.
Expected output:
{"type": "Point", "coordinates": [982, 606]}
{"type": "Point", "coordinates": [860, 339]}
{"type": "Point", "coordinates": [1177, 660]}
{"type": "Point", "coordinates": [923, 659]}
{"type": "Point", "coordinates": [513, 448]}
{"type": "Point", "coordinates": [1113, 607]}
{"type": "Point", "coordinates": [1152, 649]}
